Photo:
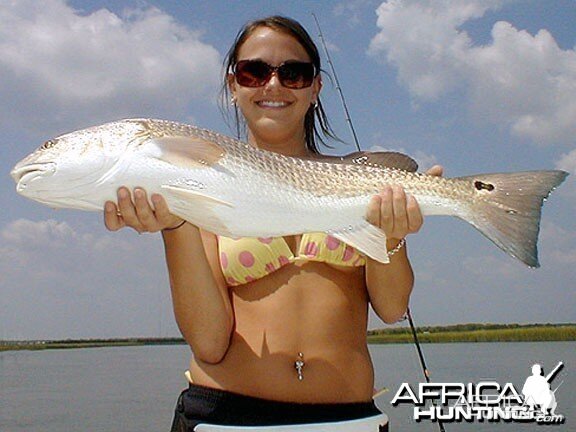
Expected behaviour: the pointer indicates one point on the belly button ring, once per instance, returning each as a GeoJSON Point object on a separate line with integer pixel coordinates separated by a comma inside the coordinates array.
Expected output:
{"type": "Point", "coordinates": [299, 365]}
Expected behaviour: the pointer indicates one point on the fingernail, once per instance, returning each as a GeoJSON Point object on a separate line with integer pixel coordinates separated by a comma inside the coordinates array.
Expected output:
{"type": "Point", "coordinates": [123, 193]}
{"type": "Point", "coordinates": [109, 207]}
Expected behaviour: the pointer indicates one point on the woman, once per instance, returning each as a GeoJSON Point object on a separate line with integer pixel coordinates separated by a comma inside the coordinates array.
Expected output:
{"type": "Point", "coordinates": [278, 326]}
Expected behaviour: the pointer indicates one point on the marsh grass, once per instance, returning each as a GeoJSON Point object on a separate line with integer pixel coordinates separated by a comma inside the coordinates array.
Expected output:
{"type": "Point", "coordinates": [435, 334]}
{"type": "Point", "coordinates": [478, 333]}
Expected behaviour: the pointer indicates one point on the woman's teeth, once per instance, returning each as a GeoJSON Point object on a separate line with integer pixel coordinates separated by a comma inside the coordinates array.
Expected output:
{"type": "Point", "coordinates": [272, 104]}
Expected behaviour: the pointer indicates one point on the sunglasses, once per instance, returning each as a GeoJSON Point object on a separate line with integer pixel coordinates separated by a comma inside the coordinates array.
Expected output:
{"type": "Point", "coordinates": [291, 74]}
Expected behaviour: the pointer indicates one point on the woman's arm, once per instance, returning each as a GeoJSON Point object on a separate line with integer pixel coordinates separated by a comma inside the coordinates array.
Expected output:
{"type": "Point", "coordinates": [201, 300]}
{"type": "Point", "coordinates": [390, 285]}
{"type": "Point", "coordinates": [200, 296]}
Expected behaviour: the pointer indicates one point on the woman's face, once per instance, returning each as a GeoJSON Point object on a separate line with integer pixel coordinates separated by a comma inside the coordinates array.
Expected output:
{"type": "Point", "coordinates": [273, 112]}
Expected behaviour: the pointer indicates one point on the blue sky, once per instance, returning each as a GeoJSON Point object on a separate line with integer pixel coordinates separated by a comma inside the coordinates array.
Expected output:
{"type": "Point", "coordinates": [477, 86]}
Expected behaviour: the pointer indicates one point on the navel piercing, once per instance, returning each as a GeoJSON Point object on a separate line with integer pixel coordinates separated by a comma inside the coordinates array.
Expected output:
{"type": "Point", "coordinates": [299, 365]}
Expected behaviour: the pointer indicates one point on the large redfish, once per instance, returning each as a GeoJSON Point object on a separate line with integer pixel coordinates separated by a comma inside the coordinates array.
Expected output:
{"type": "Point", "coordinates": [234, 189]}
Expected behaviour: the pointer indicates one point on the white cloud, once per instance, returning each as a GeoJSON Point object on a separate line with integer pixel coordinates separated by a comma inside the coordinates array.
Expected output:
{"type": "Point", "coordinates": [522, 81]}
{"type": "Point", "coordinates": [58, 64]}
{"type": "Point", "coordinates": [26, 232]}
{"type": "Point", "coordinates": [567, 162]}
{"type": "Point", "coordinates": [57, 281]}
{"type": "Point", "coordinates": [352, 11]}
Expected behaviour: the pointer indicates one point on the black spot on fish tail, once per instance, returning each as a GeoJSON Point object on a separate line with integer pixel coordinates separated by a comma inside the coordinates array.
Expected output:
{"type": "Point", "coordinates": [510, 209]}
{"type": "Point", "coordinates": [480, 185]}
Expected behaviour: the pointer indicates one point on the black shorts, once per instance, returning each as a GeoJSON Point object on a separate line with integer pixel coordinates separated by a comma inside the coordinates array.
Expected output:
{"type": "Point", "coordinates": [199, 404]}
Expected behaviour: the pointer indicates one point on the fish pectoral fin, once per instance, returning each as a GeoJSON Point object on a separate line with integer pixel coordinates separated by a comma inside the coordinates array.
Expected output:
{"type": "Point", "coordinates": [366, 238]}
{"type": "Point", "coordinates": [189, 194]}
{"type": "Point", "coordinates": [189, 152]}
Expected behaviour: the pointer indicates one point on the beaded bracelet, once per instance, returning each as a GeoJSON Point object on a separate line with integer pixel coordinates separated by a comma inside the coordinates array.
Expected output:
{"type": "Point", "coordinates": [175, 227]}
{"type": "Point", "coordinates": [399, 246]}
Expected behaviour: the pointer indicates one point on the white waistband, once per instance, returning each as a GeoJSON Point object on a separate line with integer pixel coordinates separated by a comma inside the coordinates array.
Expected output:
{"type": "Point", "coordinates": [368, 424]}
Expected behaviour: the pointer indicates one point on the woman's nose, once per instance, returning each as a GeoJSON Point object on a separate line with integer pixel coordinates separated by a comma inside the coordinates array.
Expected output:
{"type": "Point", "coordinates": [273, 81]}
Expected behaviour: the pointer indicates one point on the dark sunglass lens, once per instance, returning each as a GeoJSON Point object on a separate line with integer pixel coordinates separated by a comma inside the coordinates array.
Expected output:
{"type": "Point", "coordinates": [296, 75]}
{"type": "Point", "coordinates": [252, 73]}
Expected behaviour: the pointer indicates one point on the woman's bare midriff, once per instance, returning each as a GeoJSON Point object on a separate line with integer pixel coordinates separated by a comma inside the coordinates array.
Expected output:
{"type": "Point", "coordinates": [311, 308]}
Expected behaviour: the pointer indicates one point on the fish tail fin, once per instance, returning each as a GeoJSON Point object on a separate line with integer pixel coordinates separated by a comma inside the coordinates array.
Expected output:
{"type": "Point", "coordinates": [509, 208]}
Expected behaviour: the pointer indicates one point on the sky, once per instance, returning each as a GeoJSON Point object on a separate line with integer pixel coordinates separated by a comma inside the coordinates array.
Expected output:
{"type": "Point", "coordinates": [474, 85]}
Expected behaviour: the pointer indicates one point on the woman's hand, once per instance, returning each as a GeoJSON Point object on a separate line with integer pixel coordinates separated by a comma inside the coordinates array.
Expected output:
{"type": "Point", "coordinates": [138, 213]}
{"type": "Point", "coordinates": [395, 212]}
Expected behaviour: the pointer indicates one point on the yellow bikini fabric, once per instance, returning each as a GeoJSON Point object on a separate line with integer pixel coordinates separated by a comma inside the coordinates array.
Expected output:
{"type": "Point", "coordinates": [246, 259]}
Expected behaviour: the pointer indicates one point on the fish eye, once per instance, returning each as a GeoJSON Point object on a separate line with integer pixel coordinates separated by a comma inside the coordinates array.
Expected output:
{"type": "Point", "coordinates": [48, 145]}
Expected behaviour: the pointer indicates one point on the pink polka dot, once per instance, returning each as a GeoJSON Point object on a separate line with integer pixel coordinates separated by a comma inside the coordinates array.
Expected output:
{"type": "Point", "coordinates": [332, 242]}
{"type": "Point", "coordinates": [311, 249]}
{"type": "Point", "coordinates": [224, 260]}
{"type": "Point", "coordinates": [231, 281]}
{"type": "Point", "coordinates": [249, 279]}
{"type": "Point", "coordinates": [265, 240]}
{"type": "Point", "coordinates": [283, 260]}
{"type": "Point", "coordinates": [348, 253]}
{"type": "Point", "coordinates": [246, 259]}
{"type": "Point", "coordinates": [270, 267]}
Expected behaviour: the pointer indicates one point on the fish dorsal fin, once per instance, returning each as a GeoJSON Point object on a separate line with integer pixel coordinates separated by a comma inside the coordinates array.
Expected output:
{"type": "Point", "coordinates": [383, 159]}
{"type": "Point", "coordinates": [189, 152]}
{"type": "Point", "coordinates": [367, 238]}
{"type": "Point", "coordinates": [389, 159]}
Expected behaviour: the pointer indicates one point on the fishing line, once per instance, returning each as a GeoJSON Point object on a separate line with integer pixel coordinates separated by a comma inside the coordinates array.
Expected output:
{"type": "Point", "coordinates": [408, 315]}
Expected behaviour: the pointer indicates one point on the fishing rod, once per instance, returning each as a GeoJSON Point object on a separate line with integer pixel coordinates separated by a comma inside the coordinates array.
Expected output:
{"type": "Point", "coordinates": [408, 314]}
{"type": "Point", "coordinates": [425, 369]}
{"type": "Point", "coordinates": [338, 87]}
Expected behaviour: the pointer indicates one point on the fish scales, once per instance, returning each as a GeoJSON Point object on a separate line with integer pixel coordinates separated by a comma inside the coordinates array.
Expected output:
{"type": "Point", "coordinates": [232, 188]}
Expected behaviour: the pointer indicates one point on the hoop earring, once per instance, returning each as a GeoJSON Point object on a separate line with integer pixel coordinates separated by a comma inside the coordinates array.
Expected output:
{"type": "Point", "coordinates": [315, 105]}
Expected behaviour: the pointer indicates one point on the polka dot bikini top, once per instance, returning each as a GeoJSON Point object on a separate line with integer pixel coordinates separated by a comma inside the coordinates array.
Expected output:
{"type": "Point", "coordinates": [247, 259]}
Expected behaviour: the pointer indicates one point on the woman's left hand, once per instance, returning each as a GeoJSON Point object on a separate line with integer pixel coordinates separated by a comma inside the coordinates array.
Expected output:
{"type": "Point", "coordinates": [396, 212]}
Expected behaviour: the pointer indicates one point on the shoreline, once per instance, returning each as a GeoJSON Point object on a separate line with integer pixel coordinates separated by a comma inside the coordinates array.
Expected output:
{"type": "Point", "coordinates": [459, 333]}
{"type": "Point", "coordinates": [478, 333]}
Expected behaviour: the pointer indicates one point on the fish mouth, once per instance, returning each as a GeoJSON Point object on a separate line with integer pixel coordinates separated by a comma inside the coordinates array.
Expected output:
{"type": "Point", "coordinates": [26, 174]}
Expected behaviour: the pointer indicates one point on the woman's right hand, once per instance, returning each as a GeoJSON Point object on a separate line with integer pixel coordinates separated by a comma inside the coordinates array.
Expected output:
{"type": "Point", "coordinates": [137, 213]}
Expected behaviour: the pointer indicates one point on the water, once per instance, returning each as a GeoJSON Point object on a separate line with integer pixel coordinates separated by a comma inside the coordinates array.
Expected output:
{"type": "Point", "coordinates": [474, 362]}
{"type": "Point", "coordinates": [135, 388]}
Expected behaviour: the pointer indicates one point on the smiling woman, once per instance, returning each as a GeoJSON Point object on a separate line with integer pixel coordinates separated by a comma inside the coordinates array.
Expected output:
{"type": "Point", "coordinates": [263, 350]}
{"type": "Point", "coordinates": [299, 71]}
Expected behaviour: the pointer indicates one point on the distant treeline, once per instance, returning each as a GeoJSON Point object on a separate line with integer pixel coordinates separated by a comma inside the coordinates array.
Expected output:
{"type": "Point", "coordinates": [428, 334]}
{"type": "Point", "coordinates": [474, 332]}
{"type": "Point", "coordinates": [86, 343]}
